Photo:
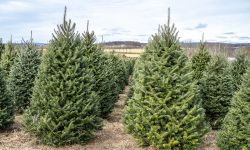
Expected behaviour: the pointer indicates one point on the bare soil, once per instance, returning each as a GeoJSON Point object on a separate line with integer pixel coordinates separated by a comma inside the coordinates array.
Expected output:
{"type": "Point", "coordinates": [112, 137]}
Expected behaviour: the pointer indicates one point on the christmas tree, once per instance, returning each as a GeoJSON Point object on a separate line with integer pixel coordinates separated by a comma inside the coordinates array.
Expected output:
{"type": "Point", "coordinates": [22, 75]}
{"type": "Point", "coordinates": [104, 73]}
{"type": "Point", "coordinates": [200, 61]}
{"type": "Point", "coordinates": [235, 133]}
{"type": "Point", "coordinates": [1, 47]}
{"type": "Point", "coordinates": [164, 110]}
{"type": "Point", "coordinates": [216, 90]}
{"type": "Point", "coordinates": [64, 108]}
{"type": "Point", "coordinates": [7, 58]}
{"type": "Point", "coordinates": [6, 104]}
{"type": "Point", "coordinates": [238, 68]}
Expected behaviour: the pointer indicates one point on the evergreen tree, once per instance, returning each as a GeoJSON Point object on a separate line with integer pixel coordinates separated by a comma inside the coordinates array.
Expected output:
{"type": "Point", "coordinates": [6, 104]}
{"type": "Point", "coordinates": [216, 90]}
{"type": "Point", "coordinates": [235, 133]}
{"type": "Point", "coordinates": [101, 66]}
{"type": "Point", "coordinates": [238, 68]}
{"type": "Point", "coordinates": [164, 110]}
{"type": "Point", "coordinates": [1, 47]}
{"type": "Point", "coordinates": [22, 76]}
{"type": "Point", "coordinates": [7, 58]}
{"type": "Point", "coordinates": [64, 108]}
{"type": "Point", "coordinates": [200, 61]}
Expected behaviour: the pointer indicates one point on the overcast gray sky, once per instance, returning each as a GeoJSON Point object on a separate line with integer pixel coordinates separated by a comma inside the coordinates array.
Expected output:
{"type": "Point", "coordinates": [220, 20]}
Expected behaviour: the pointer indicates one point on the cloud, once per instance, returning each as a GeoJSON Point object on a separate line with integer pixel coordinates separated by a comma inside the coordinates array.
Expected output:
{"type": "Point", "coordinates": [126, 20]}
{"type": "Point", "coordinates": [244, 38]}
{"type": "Point", "coordinates": [198, 26]}
{"type": "Point", "coordinates": [201, 26]}
{"type": "Point", "coordinates": [222, 37]}
{"type": "Point", "coordinates": [229, 33]}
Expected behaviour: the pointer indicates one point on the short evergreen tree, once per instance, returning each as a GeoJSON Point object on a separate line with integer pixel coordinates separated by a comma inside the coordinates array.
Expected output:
{"type": "Point", "coordinates": [235, 133]}
{"type": "Point", "coordinates": [164, 111]}
{"type": "Point", "coordinates": [1, 47]}
{"type": "Point", "coordinates": [216, 90]}
{"type": "Point", "coordinates": [101, 66]}
{"type": "Point", "coordinates": [7, 58]}
{"type": "Point", "coordinates": [200, 61]}
{"type": "Point", "coordinates": [238, 68]}
{"type": "Point", "coordinates": [6, 104]}
{"type": "Point", "coordinates": [22, 76]}
{"type": "Point", "coordinates": [64, 108]}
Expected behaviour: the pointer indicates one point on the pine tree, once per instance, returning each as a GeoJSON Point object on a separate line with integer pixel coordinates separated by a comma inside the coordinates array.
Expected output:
{"type": "Point", "coordinates": [6, 104]}
{"type": "Point", "coordinates": [216, 90]}
{"type": "Point", "coordinates": [101, 66]}
{"type": "Point", "coordinates": [235, 133]}
{"type": "Point", "coordinates": [22, 76]}
{"type": "Point", "coordinates": [238, 68]}
{"type": "Point", "coordinates": [200, 61]}
{"type": "Point", "coordinates": [7, 58]}
{"type": "Point", "coordinates": [164, 110]}
{"type": "Point", "coordinates": [1, 47]}
{"type": "Point", "coordinates": [64, 107]}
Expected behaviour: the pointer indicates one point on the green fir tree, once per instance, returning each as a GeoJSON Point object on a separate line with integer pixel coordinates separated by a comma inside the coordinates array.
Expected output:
{"type": "Point", "coordinates": [238, 68]}
{"type": "Point", "coordinates": [22, 75]}
{"type": "Point", "coordinates": [235, 133]}
{"type": "Point", "coordinates": [6, 104]}
{"type": "Point", "coordinates": [164, 110]}
{"type": "Point", "coordinates": [64, 107]}
{"type": "Point", "coordinates": [200, 61]}
{"type": "Point", "coordinates": [7, 58]}
{"type": "Point", "coordinates": [216, 90]}
{"type": "Point", "coordinates": [1, 47]}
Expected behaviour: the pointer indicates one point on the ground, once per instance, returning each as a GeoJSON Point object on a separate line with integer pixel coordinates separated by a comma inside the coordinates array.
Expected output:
{"type": "Point", "coordinates": [112, 137]}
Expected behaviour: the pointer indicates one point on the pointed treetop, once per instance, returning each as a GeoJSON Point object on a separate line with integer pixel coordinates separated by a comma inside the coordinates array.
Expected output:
{"type": "Point", "coordinates": [11, 38]}
{"type": "Point", "coordinates": [31, 36]}
{"type": "Point", "coordinates": [87, 26]}
{"type": "Point", "coordinates": [168, 16]}
{"type": "Point", "coordinates": [65, 13]}
{"type": "Point", "coordinates": [202, 37]}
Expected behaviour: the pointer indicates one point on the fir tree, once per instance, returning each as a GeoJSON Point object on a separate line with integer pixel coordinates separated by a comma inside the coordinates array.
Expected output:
{"type": "Point", "coordinates": [64, 108]}
{"type": "Point", "coordinates": [7, 58]}
{"type": "Point", "coordinates": [6, 104]}
{"type": "Point", "coordinates": [238, 68]}
{"type": "Point", "coordinates": [101, 66]}
{"type": "Point", "coordinates": [22, 76]}
{"type": "Point", "coordinates": [200, 61]}
{"type": "Point", "coordinates": [164, 110]}
{"type": "Point", "coordinates": [216, 90]}
{"type": "Point", "coordinates": [235, 133]}
{"type": "Point", "coordinates": [1, 47]}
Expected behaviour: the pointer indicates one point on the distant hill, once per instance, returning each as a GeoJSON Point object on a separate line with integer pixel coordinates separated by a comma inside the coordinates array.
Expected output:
{"type": "Point", "coordinates": [134, 44]}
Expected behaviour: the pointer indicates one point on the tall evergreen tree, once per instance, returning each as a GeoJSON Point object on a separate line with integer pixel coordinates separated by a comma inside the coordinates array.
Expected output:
{"type": "Point", "coordinates": [216, 90]}
{"type": "Point", "coordinates": [22, 75]}
{"type": "Point", "coordinates": [238, 68]}
{"type": "Point", "coordinates": [6, 104]}
{"type": "Point", "coordinates": [64, 108]}
{"type": "Point", "coordinates": [164, 111]}
{"type": "Point", "coordinates": [200, 61]}
{"type": "Point", "coordinates": [235, 133]}
{"type": "Point", "coordinates": [7, 58]}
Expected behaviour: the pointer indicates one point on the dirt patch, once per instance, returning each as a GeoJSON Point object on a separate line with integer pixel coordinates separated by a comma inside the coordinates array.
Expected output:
{"type": "Point", "coordinates": [112, 137]}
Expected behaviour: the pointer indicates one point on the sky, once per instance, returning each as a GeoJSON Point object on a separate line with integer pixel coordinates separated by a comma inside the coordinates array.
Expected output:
{"type": "Point", "coordinates": [128, 20]}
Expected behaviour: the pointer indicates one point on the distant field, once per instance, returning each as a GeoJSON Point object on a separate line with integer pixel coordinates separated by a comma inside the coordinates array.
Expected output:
{"type": "Point", "coordinates": [126, 52]}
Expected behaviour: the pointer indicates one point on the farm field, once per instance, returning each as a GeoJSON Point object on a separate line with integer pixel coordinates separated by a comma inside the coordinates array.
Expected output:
{"type": "Point", "coordinates": [112, 137]}
{"type": "Point", "coordinates": [120, 82]}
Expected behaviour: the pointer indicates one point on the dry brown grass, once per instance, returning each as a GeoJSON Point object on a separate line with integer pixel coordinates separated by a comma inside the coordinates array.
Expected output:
{"type": "Point", "coordinates": [111, 137]}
